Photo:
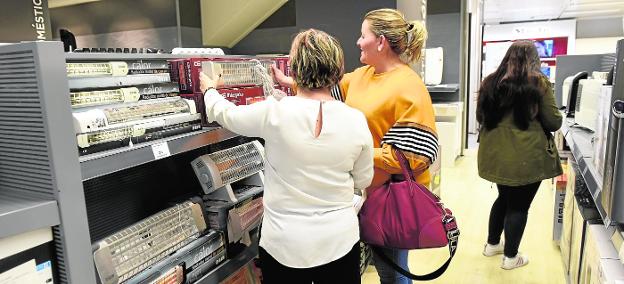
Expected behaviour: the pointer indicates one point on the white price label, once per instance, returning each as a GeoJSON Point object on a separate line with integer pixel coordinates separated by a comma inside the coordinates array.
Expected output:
{"type": "Point", "coordinates": [161, 150]}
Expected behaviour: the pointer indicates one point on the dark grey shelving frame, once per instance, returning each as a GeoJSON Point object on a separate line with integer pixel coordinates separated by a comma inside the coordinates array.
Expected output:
{"type": "Point", "coordinates": [582, 151]}
{"type": "Point", "coordinates": [41, 173]}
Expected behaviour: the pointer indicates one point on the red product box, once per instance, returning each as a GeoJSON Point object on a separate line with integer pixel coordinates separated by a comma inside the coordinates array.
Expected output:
{"type": "Point", "coordinates": [192, 67]}
{"type": "Point", "coordinates": [238, 96]}
{"type": "Point", "coordinates": [282, 64]}
{"type": "Point", "coordinates": [198, 98]}
{"type": "Point", "coordinates": [243, 95]}
{"type": "Point", "coordinates": [178, 74]}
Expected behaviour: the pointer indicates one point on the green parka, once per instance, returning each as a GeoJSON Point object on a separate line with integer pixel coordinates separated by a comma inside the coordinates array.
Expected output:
{"type": "Point", "coordinates": [514, 157]}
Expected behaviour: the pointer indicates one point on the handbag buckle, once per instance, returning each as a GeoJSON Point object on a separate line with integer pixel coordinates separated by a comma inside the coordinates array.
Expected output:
{"type": "Point", "coordinates": [449, 222]}
{"type": "Point", "coordinates": [453, 235]}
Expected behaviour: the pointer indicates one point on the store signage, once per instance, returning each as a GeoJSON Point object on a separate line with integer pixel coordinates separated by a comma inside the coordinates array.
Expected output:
{"type": "Point", "coordinates": [25, 21]}
{"type": "Point", "coordinates": [523, 30]}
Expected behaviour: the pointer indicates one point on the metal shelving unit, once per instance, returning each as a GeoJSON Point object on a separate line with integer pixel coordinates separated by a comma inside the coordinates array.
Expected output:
{"type": "Point", "coordinates": [579, 140]}
{"type": "Point", "coordinates": [103, 163]}
{"type": "Point", "coordinates": [78, 56]}
{"type": "Point", "coordinates": [42, 177]}
{"type": "Point", "coordinates": [22, 212]}
{"type": "Point", "coordinates": [445, 88]}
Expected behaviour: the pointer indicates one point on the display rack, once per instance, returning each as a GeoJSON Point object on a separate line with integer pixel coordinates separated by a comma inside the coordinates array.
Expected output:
{"type": "Point", "coordinates": [103, 163]}
{"type": "Point", "coordinates": [44, 182]}
{"type": "Point", "coordinates": [579, 140]}
{"type": "Point", "coordinates": [444, 88]}
{"type": "Point", "coordinates": [23, 212]}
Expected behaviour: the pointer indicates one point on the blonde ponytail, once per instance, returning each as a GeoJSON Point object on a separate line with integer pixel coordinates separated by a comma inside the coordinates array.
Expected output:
{"type": "Point", "coordinates": [416, 38]}
{"type": "Point", "coordinates": [405, 38]}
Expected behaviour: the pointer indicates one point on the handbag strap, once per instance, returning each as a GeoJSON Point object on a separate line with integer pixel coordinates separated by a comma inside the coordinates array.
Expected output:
{"type": "Point", "coordinates": [405, 166]}
{"type": "Point", "coordinates": [452, 233]}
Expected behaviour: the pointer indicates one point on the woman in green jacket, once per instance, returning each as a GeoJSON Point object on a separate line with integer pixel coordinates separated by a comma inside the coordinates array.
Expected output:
{"type": "Point", "coordinates": [517, 112]}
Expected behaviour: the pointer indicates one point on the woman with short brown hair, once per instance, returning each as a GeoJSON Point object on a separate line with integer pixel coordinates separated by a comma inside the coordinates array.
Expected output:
{"type": "Point", "coordinates": [318, 152]}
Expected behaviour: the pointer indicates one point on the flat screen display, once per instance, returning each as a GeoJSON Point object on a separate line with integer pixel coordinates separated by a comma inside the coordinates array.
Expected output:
{"type": "Point", "coordinates": [544, 47]}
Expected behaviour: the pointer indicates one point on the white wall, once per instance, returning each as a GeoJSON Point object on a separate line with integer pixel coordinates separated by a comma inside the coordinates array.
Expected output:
{"type": "Point", "coordinates": [476, 8]}
{"type": "Point", "coordinates": [544, 29]}
{"type": "Point", "coordinates": [596, 45]}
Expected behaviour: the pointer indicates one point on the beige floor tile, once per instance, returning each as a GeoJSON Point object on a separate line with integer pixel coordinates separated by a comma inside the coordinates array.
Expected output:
{"type": "Point", "coordinates": [470, 198]}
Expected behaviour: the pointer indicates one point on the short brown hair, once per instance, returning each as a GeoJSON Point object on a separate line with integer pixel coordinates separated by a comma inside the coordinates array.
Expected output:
{"type": "Point", "coordinates": [406, 38]}
{"type": "Point", "coordinates": [316, 60]}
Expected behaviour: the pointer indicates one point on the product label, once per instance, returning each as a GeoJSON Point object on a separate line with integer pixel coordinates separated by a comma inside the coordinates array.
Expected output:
{"type": "Point", "coordinates": [161, 150]}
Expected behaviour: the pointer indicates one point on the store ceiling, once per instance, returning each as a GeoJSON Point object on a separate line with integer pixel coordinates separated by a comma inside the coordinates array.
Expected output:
{"type": "Point", "coordinates": [497, 11]}
{"type": "Point", "coordinates": [63, 3]}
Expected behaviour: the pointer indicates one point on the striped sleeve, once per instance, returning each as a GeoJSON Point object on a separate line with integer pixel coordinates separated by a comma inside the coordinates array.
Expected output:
{"type": "Point", "coordinates": [416, 140]}
{"type": "Point", "coordinates": [336, 93]}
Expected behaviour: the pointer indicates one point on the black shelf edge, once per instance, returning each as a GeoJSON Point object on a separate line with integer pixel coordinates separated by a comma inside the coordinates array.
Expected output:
{"type": "Point", "coordinates": [444, 88]}
{"type": "Point", "coordinates": [22, 212]}
{"type": "Point", "coordinates": [107, 162]}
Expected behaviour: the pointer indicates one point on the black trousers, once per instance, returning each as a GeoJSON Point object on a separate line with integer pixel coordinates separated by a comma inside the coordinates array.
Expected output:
{"type": "Point", "coordinates": [343, 270]}
{"type": "Point", "coordinates": [509, 213]}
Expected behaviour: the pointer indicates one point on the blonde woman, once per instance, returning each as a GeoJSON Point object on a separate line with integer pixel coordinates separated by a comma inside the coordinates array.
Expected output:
{"type": "Point", "coordinates": [318, 151]}
{"type": "Point", "coordinates": [396, 104]}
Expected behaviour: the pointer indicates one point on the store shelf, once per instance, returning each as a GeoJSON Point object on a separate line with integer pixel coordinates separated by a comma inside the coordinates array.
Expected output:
{"type": "Point", "coordinates": [227, 268]}
{"type": "Point", "coordinates": [22, 212]}
{"type": "Point", "coordinates": [103, 163]}
{"type": "Point", "coordinates": [579, 140]}
{"type": "Point", "coordinates": [444, 88]}
{"type": "Point", "coordinates": [139, 56]}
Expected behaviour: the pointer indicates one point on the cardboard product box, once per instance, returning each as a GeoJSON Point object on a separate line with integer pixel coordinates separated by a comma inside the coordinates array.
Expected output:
{"type": "Point", "coordinates": [198, 98]}
{"type": "Point", "coordinates": [28, 258]}
{"type": "Point", "coordinates": [178, 74]}
{"type": "Point", "coordinates": [243, 95]}
{"type": "Point", "coordinates": [585, 213]}
{"type": "Point", "coordinates": [238, 96]}
{"type": "Point", "coordinates": [568, 209]}
{"type": "Point", "coordinates": [560, 193]}
{"type": "Point", "coordinates": [247, 274]}
{"type": "Point", "coordinates": [281, 62]}
{"type": "Point", "coordinates": [598, 246]}
{"type": "Point", "coordinates": [610, 271]}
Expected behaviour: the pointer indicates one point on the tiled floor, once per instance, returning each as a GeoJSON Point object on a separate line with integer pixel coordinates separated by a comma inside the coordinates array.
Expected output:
{"type": "Point", "coordinates": [470, 198]}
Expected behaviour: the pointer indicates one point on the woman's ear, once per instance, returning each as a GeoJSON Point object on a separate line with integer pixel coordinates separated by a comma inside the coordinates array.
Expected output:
{"type": "Point", "coordinates": [382, 42]}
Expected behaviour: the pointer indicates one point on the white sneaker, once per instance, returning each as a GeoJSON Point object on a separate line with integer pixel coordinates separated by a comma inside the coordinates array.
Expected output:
{"type": "Point", "coordinates": [492, 250]}
{"type": "Point", "coordinates": [514, 262]}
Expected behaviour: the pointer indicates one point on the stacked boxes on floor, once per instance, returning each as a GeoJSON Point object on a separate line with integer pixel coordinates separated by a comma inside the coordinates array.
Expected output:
{"type": "Point", "coordinates": [561, 183]}
{"type": "Point", "coordinates": [601, 263]}
{"type": "Point", "coordinates": [579, 212]}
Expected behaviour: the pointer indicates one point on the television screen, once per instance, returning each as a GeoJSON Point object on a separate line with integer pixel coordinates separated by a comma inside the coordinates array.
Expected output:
{"type": "Point", "coordinates": [544, 48]}
{"type": "Point", "coordinates": [546, 70]}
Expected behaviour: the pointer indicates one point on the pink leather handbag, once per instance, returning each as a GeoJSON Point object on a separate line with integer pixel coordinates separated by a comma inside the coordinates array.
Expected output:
{"type": "Point", "coordinates": [406, 215]}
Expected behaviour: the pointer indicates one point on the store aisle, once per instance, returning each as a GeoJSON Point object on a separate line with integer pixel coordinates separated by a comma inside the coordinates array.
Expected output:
{"type": "Point", "coordinates": [471, 197]}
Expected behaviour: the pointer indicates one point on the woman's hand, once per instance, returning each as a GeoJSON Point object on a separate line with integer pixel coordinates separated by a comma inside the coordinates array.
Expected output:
{"type": "Point", "coordinates": [379, 178]}
{"type": "Point", "coordinates": [206, 82]}
{"type": "Point", "coordinates": [282, 79]}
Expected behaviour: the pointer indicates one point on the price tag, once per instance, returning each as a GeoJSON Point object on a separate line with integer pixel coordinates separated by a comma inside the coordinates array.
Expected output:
{"type": "Point", "coordinates": [161, 150]}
